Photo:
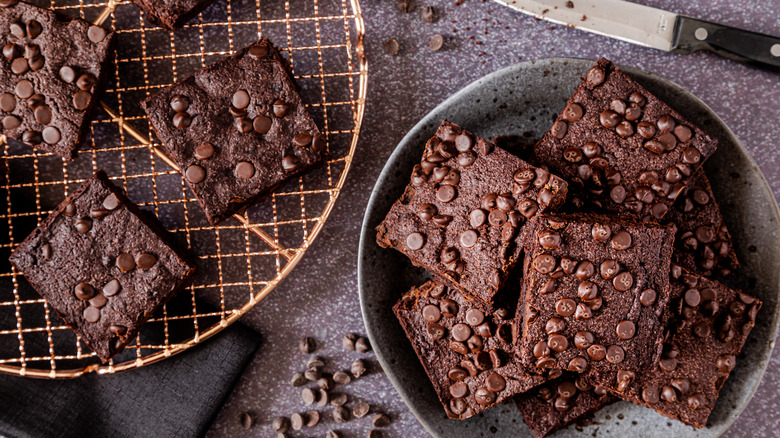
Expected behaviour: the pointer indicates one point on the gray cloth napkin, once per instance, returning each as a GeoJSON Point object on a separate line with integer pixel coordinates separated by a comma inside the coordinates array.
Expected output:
{"type": "Point", "coordinates": [177, 397]}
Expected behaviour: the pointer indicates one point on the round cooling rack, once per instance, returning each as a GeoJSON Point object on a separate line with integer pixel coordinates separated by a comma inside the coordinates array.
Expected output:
{"type": "Point", "coordinates": [241, 260]}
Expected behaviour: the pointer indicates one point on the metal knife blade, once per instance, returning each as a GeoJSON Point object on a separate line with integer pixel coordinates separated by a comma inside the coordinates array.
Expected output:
{"type": "Point", "coordinates": [656, 28]}
{"type": "Point", "coordinates": [617, 19]}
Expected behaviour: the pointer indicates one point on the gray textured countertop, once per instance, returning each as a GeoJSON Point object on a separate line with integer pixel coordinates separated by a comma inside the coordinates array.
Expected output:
{"type": "Point", "coordinates": [320, 298]}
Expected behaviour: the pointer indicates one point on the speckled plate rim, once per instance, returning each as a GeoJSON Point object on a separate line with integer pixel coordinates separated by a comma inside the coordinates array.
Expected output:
{"type": "Point", "coordinates": [368, 233]}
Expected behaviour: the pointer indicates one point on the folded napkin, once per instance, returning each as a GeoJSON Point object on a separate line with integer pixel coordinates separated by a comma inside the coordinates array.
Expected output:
{"type": "Point", "coordinates": [177, 397]}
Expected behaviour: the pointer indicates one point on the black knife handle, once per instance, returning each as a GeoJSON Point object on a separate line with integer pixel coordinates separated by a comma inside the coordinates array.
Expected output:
{"type": "Point", "coordinates": [739, 45]}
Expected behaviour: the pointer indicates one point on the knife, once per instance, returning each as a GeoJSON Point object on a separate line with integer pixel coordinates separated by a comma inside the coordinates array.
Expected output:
{"type": "Point", "coordinates": [656, 28]}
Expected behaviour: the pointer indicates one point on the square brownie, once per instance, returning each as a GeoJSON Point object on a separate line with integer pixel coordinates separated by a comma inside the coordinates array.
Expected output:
{"type": "Point", "coordinates": [237, 129]}
{"type": "Point", "coordinates": [708, 325]}
{"type": "Point", "coordinates": [620, 148]}
{"type": "Point", "coordinates": [171, 14]}
{"type": "Point", "coordinates": [558, 403]}
{"type": "Point", "coordinates": [101, 265]}
{"type": "Point", "coordinates": [461, 215]}
{"type": "Point", "coordinates": [467, 352]}
{"type": "Point", "coordinates": [52, 69]}
{"type": "Point", "coordinates": [703, 243]}
{"type": "Point", "coordinates": [595, 290]}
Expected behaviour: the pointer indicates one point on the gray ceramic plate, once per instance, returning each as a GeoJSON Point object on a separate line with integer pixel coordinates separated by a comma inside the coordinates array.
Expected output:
{"type": "Point", "coordinates": [525, 98]}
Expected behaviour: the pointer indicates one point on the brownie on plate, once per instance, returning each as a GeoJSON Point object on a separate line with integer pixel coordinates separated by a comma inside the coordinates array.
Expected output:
{"type": "Point", "coordinates": [703, 243]}
{"type": "Point", "coordinates": [595, 290]}
{"type": "Point", "coordinates": [172, 14]}
{"type": "Point", "coordinates": [461, 215]}
{"type": "Point", "coordinates": [558, 403]}
{"type": "Point", "coordinates": [621, 148]}
{"type": "Point", "coordinates": [101, 265]}
{"type": "Point", "coordinates": [53, 68]}
{"type": "Point", "coordinates": [708, 325]}
{"type": "Point", "coordinates": [237, 129]}
{"type": "Point", "coordinates": [467, 352]}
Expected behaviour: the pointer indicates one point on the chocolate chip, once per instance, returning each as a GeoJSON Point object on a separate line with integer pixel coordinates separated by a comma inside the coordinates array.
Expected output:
{"type": "Point", "coordinates": [358, 368]}
{"type": "Point", "coordinates": [615, 354]}
{"type": "Point", "coordinates": [361, 410]}
{"type": "Point", "coordinates": [554, 325]}
{"type": "Point", "coordinates": [621, 240]}
{"type": "Point", "coordinates": [46, 251]}
{"type": "Point", "coordinates": [654, 146]}
{"type": "Point", "coordinates": [86, 81]}
{"type": "Point", "coordinates": [647, 298]}
{"type": "Point", "coordinates": [484, 396]}
{"type": "Point", "coordinates": [442, 220]}
{"type": "Point", "coordinates": [609, 118]}
{"type": "Point", "coordinates": [179, 103]}
{"type": "Point", "coordinates": [362, 345]}
{"type": "Point", "coordinates": [544, 264]}
{"type": "Point", "coordinates": [597, 352]}
{"type": "Point", "coordinates": [84, 291]}
{"type": "Point", "coordinates": [428, 14]}
{"type": "Point", "coordinates": [587, 290]}
{"type": "Point", "coordinates": [583, 340]}
{"type": "Point", "coordinates": [280, 108]}
{"type": "Point", "coordinates": [595, 76]}
{"type": "Point", "coordinates": [7, 102]}
{"type": "Point", "coordinates": [549, 239]}
{"type": "Point", "coordinates": [34, 29]}
{"type": "Point", "coordinates": [559, 129]}
{"type": "Point", "coordinates": [281, 424]}
{"type": "Point", "coordinates": [565, 307]}
{"type": "Point", "coordinates": [11, 122]}
{"type": "Point", "coordinates": [17, 30]}
{"type": "Point", "coordinates": [24, 89]}
{"type": "Point", "coordinates": [468, 238]}
{"type": "Point", "coordinates": [96, 34]}
{"type": "Point", "coordinates": [125, 262]}
{"type": "Point", "coordinates": [726, 363]}
{"type": "Point", "coordinates": [459, 389]}
{"type": "Point", "coordinates": [92, 314]}
{"type": "Point", "coordinates": [83, 225]}
{"type": "Point", "coordinates": [623, 281]}
{"type": "Point", "coordinates": [625, 329]}
{"type": "Point", "coordinates": [446, 193]}
{"type": "Point", "coordinates": [31, 138]}
{"type": "Point", "coordinates": [145, 261]}
{"type": "Point", "coordinates": [391, 46]}
{"type": "Point", "coordinates": [98, 301]}
{"type": "Point", "coordinates": [19, 66]}
{"type": "Point", "coordinates": [298, 379]}
{"type": "Point", "coordinates": [118, 330]}
{"type": "Point", "coordinates": [602, 233]}
{"type": "Point", "coordinates": [437, 42]}
{"type": "Point", "coordinates": [258, 51]}
{"type": "Point", "coordinates": [380, 420]}
{"type": "Point", "coordinates": [691, 155]}
{"type": "Point", "coordinates": [240, 99]}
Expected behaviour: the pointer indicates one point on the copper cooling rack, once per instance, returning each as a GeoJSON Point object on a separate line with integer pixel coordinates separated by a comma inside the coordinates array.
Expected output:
{"type": "Point", "coordinates": [241, 260]}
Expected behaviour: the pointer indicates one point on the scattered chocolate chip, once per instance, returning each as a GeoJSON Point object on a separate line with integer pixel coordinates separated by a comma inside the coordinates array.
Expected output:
{"type": "Point", "coordinates": [437, 42]}
{"type": "Point", "coordinates": [391, 46]}
{"type": "Point", "coordinates": [307, 345]}
{"type": "Point", "coordinates": [247, 420]}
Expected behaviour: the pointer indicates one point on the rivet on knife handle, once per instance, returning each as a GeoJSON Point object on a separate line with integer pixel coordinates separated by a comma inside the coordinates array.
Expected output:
{"type": "Point", "coordinates": [740, 45]}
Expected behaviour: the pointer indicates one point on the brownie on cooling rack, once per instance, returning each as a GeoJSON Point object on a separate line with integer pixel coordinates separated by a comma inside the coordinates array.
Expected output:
{"type": "Point", "coordinates": [172, 14]}
{"type": "Point", "coordinates": [101, 265]}
{"type": "Point", "coordinates": [53, 67]}
{"type": "Point", "coordinates": [237, 129]}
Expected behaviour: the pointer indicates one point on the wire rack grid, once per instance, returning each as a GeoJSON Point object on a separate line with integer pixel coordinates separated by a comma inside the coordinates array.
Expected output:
{"type": "Point", "coordinates": [241, 260]}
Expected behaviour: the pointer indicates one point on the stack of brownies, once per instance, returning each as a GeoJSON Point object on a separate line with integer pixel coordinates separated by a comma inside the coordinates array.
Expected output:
{"type": "Point", "coordinates": [622, 244]}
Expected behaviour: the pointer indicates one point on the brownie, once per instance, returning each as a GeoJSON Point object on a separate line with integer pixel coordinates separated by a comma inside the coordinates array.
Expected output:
{"type": "Point", "coordinates": [703, 243]}
{"type": "Point", "coordinates": [237, 129]}
{"type": "Point", "coordinates": [595, 290]}
{"type": "Point", "coordinates": [558, 403]}
{"type": "Point", "coordinates": [171, 14]}
{"type": "Point", "coordinates": [101, 265]}
{"type": "Point", "coordinates": [622, 149]}
{"type": "Point", "coordinates": [462, 213]}
{"type": "Point", "coordinates": [708, 325]}
{"type": "Point", "coordinates": [467, 352]}
{"type": "Point", "coordinates": [52, 69]}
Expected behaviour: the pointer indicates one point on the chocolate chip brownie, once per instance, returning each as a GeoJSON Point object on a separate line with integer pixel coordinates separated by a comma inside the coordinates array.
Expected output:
{"type": "Point", "coordinates": [556, 404]}
{"type": "Point", "coordinates": [52, 69]}
{"type": "Point", "coordinates": [172, 14]}
{"type": "Point", "coordinates": [467, 352]}
{"type": "Point", "coordinates": [708, 326]}
{"type": "Point", "coordinates": [237, 129]}
{"type": "Point", "coordinates": [101, 265]}
{"type": "Point", "coordinates": [462, 213]}
{"type": "Point", "coordinates": [703, 243]}
{"type": "Point", "coordinates": [622, 149]}
{"type": "Point", "coordinates": [595, 290]}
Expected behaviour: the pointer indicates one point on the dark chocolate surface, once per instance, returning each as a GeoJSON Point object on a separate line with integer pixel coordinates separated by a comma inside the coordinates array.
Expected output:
{"type": "Point", "coordinates": [467, 352]}
{"type": "Point", "coordinates": [237, 129]}
{"type": "Point", "coordinates": [708, 325]}
{"type": "Point", "coordinates": [101, 266]}
{"type": "Point", "coordinates": [52, 68]}
{"type": "Point", "coordinates": [595, 290]}
{"type": "Point", "coordinates": [462, 215]}
{"type": "Point", "coordinates": [703, 242]}
{"type": "Point", "coordinates": [622, 149]}
{"type": "Point", "coordinates": [558, 403]}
